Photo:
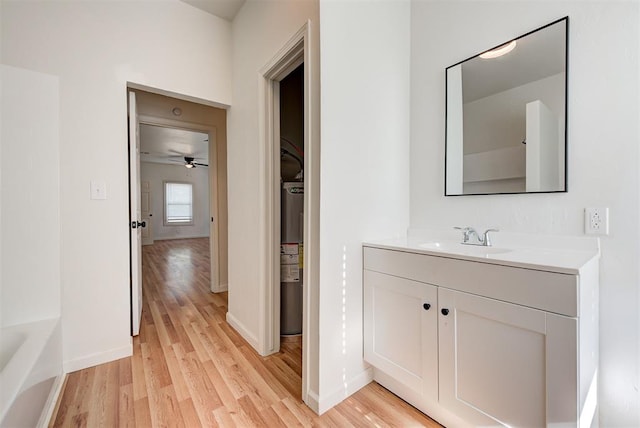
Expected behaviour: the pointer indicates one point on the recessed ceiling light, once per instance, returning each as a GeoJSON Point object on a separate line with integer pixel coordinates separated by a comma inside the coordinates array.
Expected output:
{"type": "Point", "coordinates": [499, 51]}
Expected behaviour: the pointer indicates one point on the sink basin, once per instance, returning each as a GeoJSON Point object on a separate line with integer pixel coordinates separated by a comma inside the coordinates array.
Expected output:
{"type": "Point", "coordinates": [469, 250]}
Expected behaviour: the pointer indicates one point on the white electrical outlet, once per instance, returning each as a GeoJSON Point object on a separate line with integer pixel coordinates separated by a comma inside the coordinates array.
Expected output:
{"type": "Point", "coordinates": [596, 221]}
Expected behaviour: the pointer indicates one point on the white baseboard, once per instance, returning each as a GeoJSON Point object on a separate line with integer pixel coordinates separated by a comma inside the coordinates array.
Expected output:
{"type": "Point", "coordinates": [168, 238]}
{"type": "Point", "coordinates": [243, 331]}
{"type": "Point", "coordinates": [312, 401]}
{"type": "Point", "coordinates": [353, 385]}
{"type": "Point", "coordinates": [98, 358]}
{"type": "Point", "coordinates": [221, 288]}
{"type": "Point", "coordinates": [52, 400]}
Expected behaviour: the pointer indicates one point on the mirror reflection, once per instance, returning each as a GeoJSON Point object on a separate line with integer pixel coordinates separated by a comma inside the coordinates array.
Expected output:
{"type": "Point", "coordinates": [506, 117]}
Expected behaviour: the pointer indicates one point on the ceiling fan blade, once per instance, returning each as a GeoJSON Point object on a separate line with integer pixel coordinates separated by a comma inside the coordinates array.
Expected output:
{"type": "Point", "coordinates": [199, 164]}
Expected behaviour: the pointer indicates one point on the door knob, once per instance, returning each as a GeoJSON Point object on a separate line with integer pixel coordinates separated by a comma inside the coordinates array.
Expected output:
{"type": "Point", "coordinates": [426, 306]}
{"type": "Point", "coordinates": [445, 311]}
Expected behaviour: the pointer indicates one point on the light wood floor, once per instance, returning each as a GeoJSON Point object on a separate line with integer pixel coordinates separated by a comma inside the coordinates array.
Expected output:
{"type": "Point", "coordinates": [190, 368]}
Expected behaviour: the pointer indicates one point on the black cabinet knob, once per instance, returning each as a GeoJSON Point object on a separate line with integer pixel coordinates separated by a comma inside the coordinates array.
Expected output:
{"type": "Point", "coordinates": [445, 311]}
{"type": "Point", "coordinates": [426, 306]}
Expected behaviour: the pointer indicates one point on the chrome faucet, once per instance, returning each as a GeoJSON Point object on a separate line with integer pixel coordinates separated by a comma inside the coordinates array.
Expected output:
{"type": "Point", "coordinates": [471, 237]}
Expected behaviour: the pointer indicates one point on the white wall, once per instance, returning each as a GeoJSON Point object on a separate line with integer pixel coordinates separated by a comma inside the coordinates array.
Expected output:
{"type": "Point", "coordinates": [30, 197]}
{"type": "Point", "coordinates": [95, 48]}
{"type": "Point", "coordinates": [156, 174]}
{"type": "Point", "coordinates": [364, 168]}
{"type": "Point", "coordinates": [603, 155]}
{"type": "Point", "coordinates": [260, 30]}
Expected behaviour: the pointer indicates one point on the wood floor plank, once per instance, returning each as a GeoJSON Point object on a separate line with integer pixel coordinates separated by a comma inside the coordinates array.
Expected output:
{"type": "Point", "coordinates": [264, 369]}
{"type": "Point", "coordinates": [203, 394]}
{"type": "Point", "coordinates": [104, 409]}
{"type": "Point", "coordinates": [80, 420]}
{"type": "Point", "coordinates": [83, 398]}
{"type": "Point", "coordinates": [287, 417]}
{"type": "Point", "coordinates": [223, 418]}
{"type": "Point", "coordinates": [137, 373]}
{"type": "Point", "coordinates": [336, 419]}
{"type": "Point", "coordinates": [271, 418]}
{"type": "Point", "coordinates": [226, 396]}
{"type": "Point", "coordinates": [191, 368]}
{"type": "Point", "coordinates": [248, 407]}
{"type": "Point", "coordinates": [177, 379]}
{"type": "Point", "coordinates": [155, 368]}
{"type": "Point", "coordinates": [142, 412]}
{"type": "Point", "coordinates": [124, 371]}
{"type": "Point", "coordinates": [165, 409]}
{"type": "Point", "coordinates": [189, 413]}
{"type": "Point", "coordinates": [126, 407]}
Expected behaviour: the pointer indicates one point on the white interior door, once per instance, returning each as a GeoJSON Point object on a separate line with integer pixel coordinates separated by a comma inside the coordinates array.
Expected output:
{"type": "Point", "coordinates": [145, 209]}
{"type": "Point", "coordinates": [135, 216]}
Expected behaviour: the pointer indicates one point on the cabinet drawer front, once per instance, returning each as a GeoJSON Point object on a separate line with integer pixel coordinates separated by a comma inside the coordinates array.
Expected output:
{"type": "Point", "coordinates": [549, 291]}
{"type": "Point", "coordinates": [400, 330]}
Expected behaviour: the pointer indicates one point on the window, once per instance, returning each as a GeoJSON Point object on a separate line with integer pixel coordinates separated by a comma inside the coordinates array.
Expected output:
{"type": "Point", "coordinates": [178, 203]}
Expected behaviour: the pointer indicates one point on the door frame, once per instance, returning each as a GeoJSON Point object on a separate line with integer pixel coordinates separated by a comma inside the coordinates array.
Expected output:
{"type": "Point", "coordinates": [293, 53]}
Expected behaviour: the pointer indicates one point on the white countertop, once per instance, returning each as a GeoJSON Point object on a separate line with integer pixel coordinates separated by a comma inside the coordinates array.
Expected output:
{"type": "Point", "coordinates": [548, 253]}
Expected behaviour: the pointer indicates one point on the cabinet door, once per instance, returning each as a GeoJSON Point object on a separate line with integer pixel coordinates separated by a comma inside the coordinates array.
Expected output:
{"type": "Point", "coordinates": [498, 362]}
{"type": "Point", "coordinates": [400, 330]}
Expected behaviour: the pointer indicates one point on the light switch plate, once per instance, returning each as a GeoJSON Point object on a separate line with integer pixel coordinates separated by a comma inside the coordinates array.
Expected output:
{"type": "Point", "coordinates": [98, 190]}
{"type": "Point", "coordinates": [596, 221]}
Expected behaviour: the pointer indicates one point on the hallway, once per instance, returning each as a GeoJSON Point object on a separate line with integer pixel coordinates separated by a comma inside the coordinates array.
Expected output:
{"type": "Point", "coordinates": [190, 368]}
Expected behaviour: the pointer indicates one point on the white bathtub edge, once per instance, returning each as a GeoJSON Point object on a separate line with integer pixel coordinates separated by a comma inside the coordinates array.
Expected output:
{"type": "Point", "coordinates": [17, 371]}
{"type": "Point", "coordinates": [52, 401]}
{"type": "Point", "coordinates": [98, 358]}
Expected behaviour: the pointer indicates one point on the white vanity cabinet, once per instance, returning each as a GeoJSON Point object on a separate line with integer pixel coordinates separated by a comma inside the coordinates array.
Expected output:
{"type": "Point", "coordinates": [402, 322]}
{"type": "Point", "coordinates": [478, 343]}
{"type": "Point", "coordinates": [506, 361]}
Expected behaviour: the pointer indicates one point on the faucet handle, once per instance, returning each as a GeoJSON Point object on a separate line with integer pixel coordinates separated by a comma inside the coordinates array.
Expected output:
{"type": "Point", "coordinates": [465, 233]}
{"type": "Point", "coordinates": [486, 238]}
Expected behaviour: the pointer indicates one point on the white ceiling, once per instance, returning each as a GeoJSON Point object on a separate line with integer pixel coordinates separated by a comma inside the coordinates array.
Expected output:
{"type": "Point", "coordinates": [169, 145]}
{"type": "Point", "coordinates": [226, 9]}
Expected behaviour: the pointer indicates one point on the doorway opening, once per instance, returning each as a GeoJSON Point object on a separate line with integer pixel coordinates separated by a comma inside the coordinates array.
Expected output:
{"type": "Point", "coordinates": [290, 97]}
{"type": "Point", "coordinates": [177, 183]}
{"type": "Point", "coordinates": [293, 157]}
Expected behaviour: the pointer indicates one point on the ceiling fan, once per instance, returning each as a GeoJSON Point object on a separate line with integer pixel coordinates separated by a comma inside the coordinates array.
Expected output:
{"type": "Point", "coordinates": [189, 162]}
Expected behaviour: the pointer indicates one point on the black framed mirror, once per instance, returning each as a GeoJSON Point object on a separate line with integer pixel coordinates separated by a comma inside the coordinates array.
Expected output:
{"type": "Point", "coordinates": [506, 116]}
